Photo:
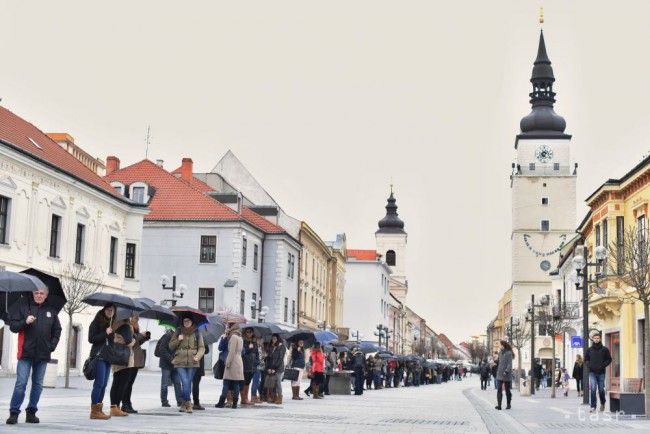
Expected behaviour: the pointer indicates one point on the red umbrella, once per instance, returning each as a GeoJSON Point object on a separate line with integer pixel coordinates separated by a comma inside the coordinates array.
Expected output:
{"type": "Point", "coordinates": [228, 316]}
{"type": "Point", "coordinates": [198, 317]}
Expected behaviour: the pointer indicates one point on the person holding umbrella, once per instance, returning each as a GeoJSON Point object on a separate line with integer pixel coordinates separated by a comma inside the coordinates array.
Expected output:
{"type": "Point", "coordinates": [99, 333]}
{"type": "Point", "coordinates": [251, 359]}
{"type": "Point", "coordinates": [297, 362]}
{"type": "Point", "coordinates": [233, 373]}
{"type": "Point", "coordinates": [138, 362]}
{"type": "Point", "coordinates": [123, 335]}
{"type": "Point", "coordinates": [275, 366]}
{"type": "Point", "coordinates": [37, 323]}
{"type": "Point", "coordinates": [189, 347]}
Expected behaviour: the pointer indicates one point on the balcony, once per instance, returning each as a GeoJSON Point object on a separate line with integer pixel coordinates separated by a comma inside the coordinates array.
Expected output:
{"type": "Point", "coordinates": [542, 170]}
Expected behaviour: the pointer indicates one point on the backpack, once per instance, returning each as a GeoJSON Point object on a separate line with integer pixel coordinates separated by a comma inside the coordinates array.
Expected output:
{"type": "Point", "coordinates": [157, 352]}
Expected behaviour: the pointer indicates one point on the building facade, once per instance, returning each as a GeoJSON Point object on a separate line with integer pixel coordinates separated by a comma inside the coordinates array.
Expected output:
{"type": "Point", "coordinates": [57, 215]}
{"type": "Point", "coordinates": [314, 294]}
{"type": "Point", "coordinates": [338, 252]}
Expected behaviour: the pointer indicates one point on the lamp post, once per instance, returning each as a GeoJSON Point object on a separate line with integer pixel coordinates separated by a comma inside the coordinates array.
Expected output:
{"type": "Point", "coordinates": [387, 334]}
{"type": "Point", "coordinates": [379, 333]}
{"type": "Point", "coordinates": [164, 281]}
{"type": "Point", "coordinates": [262, 310]}
{"type": "Point", "coordinates": [322, 325]}
{"type": "Point", "coordinates": [530, 316]}
{"type": "Point", "coordinates": [582, 271]}
{"type": "Point", "coordinates": [356, 335]}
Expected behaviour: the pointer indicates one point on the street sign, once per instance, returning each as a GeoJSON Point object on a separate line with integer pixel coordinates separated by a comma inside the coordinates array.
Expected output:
{"type": "Point", "coordinates": [576, 342]}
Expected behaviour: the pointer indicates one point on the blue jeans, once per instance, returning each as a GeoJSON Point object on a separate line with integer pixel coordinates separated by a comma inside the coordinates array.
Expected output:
{"type": "Point", "coordinates": [230, 384]}
{"type": "Point", "coordinates": [169, 377]}
{"type": "Point", "coordinates": [37, 368]}
{"type": "Point", "coordinates": [597, 380]}
{"type": "Point", "coordinates": [256, 382]}
{"type": "Point", "coordinates": [186, 376]}
{"type": "Point", "coordinates": [102, 372]}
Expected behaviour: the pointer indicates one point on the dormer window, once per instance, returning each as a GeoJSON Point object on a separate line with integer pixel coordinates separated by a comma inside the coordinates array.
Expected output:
{"type": "Point", "coordinates": [119, 187]}
{"type": "Point", "coordinates": [138, 192]}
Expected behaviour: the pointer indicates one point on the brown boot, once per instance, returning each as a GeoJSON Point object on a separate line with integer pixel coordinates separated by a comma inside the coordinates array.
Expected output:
{"type": "Point", "coordinates": [188, 406]}
{"type": "Point", "coordinates": [97, 413]}
{"type": "Point", "coordinates": [270, 397]}
{"type": "Point", "coordinates": [278, 399]}
{"type": "Point", "coordinates": [117, 411]}
{"type": "Point", "coordinates": [296, 393]}
{"type": "Point", "coordinates": [243, 395]}
{"type": "Point", "coordinates": [315, 392]}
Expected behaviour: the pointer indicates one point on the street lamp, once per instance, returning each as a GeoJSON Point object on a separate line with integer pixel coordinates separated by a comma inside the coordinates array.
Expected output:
{"type": "Point", "coordinates": [356, 335]}
{"type": "Point", "coordinates": [379, 333]}
{"type": "Point", "coordinates": [164, 281]}
{"type": "Point", "coordinates": [387, 334]}
{"type": "Point", "coordinates": [582, 271]}
{"type": "Point", "coordinates": [263, 310]}
{"type": "Point", "coordinates": [322, 325]}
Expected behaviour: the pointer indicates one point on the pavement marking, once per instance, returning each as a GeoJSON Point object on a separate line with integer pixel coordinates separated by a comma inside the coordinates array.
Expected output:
{"type": "Point", "coordinates": [563, 411]}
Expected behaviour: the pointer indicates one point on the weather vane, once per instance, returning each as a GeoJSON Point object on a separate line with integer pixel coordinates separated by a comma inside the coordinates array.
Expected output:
{"type": "Point", "coordinates": [541, 15]}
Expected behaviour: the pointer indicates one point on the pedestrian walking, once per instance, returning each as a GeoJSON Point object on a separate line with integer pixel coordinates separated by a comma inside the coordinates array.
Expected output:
{"type": "Point", "coordinates": [484, 371]}
{"type": "Point", "coordinates": [39, 330]}
{"type": "Point", "coordinates": [233, 374]}
{"type": "Point", "coordinates": [358, 366]}
{"type": "Point", "coordinates": [598, 359]}
{"type": "Point", "coordinates": [317, 370]}
{"type": "Point", "coordinates": [251, 360]}
{"type": "Point", "coordinates": [123, 335]}
{"type": "Point", "coordinates": [504, 375]}
{"type": "Point", "coordinates": [297, 362]}
{"type": "Point", "coordinates": [275, 367]}
{"type": "Point", "coordinates": [138, 362]}
{"type": "Point", "coordinates": [188, 345]}
{"type": "Point", "coordinates": [578, 372]}
{"type": "Point", "coordinates": [564, 381]}
{"type": "Point", "coordinates": [168, 375]}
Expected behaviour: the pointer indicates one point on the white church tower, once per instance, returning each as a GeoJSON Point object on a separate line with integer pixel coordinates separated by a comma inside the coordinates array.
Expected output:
{"type": "Point", "coordinates": [391, 245]}
{"type": "Point", "coordinates": [543, 190]}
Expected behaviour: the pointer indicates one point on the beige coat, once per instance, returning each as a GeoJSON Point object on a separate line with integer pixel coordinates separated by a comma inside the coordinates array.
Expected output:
{"type": "Point", "coordinates": [234, 364]}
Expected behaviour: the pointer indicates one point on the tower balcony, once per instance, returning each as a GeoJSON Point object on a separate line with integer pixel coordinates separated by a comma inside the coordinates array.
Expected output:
{"type": "Point", "coordinates": [533, 169]}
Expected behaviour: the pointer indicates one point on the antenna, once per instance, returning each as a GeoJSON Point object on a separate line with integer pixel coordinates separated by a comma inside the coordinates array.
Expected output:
{"type": "Point", "coordinates": [147, 141]}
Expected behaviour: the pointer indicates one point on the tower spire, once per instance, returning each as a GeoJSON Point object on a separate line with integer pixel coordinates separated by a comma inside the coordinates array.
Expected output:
{"type": "Point", "coordinates": [391, 223]}
{"type": "Point", "coordinates": [542, 119]}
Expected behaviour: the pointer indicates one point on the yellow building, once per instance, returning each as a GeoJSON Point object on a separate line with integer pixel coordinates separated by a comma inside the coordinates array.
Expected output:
{"type": "Point", "coordinates": [617, 205]}
{"type": "Point", "coordinates": [501, 322]}
{"type": "Point", "coordinates": [314, 284]}
{"type": "Point", "coordinates": [336, 270]}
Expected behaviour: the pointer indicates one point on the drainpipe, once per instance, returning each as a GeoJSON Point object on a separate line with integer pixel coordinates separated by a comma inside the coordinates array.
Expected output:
{"type": "Point", "coordinates": [261, 276]}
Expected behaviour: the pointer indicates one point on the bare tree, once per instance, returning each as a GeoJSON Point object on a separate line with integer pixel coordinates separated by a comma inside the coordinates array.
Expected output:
{"type": "Point", "coordinates": [629, 261]}
{"type": "Point", "coordinates": [78, 282]}
{"type": "Point", "coordinates": [556, 319]}
{"type": "Point", "coordinates": [477, 351]}
{"type": "Point", "coordinates": [519, 335]}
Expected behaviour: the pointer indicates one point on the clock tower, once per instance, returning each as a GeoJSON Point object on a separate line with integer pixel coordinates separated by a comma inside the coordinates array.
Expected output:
{"type": "Point", "coordinates": [543, 184]}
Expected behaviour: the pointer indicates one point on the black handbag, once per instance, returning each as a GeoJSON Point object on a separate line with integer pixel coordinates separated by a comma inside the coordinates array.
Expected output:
{"type": "Point", "coordinates": [115, 354]}
{"type": "Point", "coordinates": [218, 369]}
{"type": "Point", "coordinates": [270, 381]}
{"type": "Point", "coordinates": [89, 368]}
{"type": "Point", "coordinates": [291, 374]}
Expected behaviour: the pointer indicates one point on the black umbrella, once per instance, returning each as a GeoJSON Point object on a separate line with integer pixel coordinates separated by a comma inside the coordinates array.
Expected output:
{"type": "Point", "coordinates": [14, 285]}
{"type": "Point", "coordinates": [300, 334]}
{"type": "Point", "coordinates": [264, 329]}
{"type": "Point", "coordinates": [145, 302]}
{"type": "Point", "coordinates": [158, 312]}
{"type": "Point", "coordinates": [104, 298]}
{"type": "Point", "coordinates": [55, 294]}
{"type": "Point", "coordinates": [212, 330]}
{"type": "Point", "coordinates": [338, 346]}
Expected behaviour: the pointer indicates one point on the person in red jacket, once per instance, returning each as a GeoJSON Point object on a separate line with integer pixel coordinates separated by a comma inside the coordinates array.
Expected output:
{"type": "Point", "coordinates": [317, 369]}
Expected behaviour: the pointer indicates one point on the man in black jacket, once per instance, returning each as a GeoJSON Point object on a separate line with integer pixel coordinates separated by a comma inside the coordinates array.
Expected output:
{"type": "Point", "coordinates": [358, 365]}
{"type": "Point", "coordinates": [169, 375]}
{"type": "Point", "coordinates": [597, 358]}
{"type": "Point", "coordinates": [39, 330]}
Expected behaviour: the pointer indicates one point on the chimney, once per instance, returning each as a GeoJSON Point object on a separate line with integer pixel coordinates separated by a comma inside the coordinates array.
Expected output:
{"type": "Point", "coordinates": [186, 169]}
{"type": "Point", "coordinates": [112, 164]}
{"type": "Point", "coordinates": [160, 163]}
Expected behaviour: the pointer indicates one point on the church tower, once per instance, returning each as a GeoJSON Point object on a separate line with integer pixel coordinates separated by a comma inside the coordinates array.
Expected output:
{"type": "Point", "coordinates": [391, 245]}
{"type": "Point", "coordinates": [543, 186]}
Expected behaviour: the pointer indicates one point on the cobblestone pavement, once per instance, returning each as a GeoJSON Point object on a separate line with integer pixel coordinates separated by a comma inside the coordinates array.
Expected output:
{"type": "Point", "coordinates": [455, 407]}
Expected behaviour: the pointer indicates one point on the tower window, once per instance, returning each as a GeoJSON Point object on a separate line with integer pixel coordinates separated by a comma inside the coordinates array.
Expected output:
{"type": "Point", "coordinates": [545, 201]}
{"type": "Point", "coordinates": [390, 258]}
{"type": "Point", "coordinates": [545, 225]}
{"type": "Point", "coordinates": [531, 166]}
{"type": "Point", "coordinates": [556, 166]}
{"type": "Point", "coordinates": [544, 185]}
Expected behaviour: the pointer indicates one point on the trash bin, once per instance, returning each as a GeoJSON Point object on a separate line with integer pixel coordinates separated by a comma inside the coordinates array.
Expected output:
{"type": "Point", "coordinates": [51, 372]}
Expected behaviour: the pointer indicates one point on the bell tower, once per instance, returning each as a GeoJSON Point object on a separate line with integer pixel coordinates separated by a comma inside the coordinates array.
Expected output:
{"type": "Point", "coordinates": [391, 240]}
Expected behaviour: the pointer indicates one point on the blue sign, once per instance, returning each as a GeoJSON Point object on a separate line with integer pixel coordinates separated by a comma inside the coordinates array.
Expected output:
{"type": "Point", "coordinates": [576, 342]}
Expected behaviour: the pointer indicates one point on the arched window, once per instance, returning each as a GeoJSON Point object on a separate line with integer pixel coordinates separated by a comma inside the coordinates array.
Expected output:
{"type": "Point", "coordinates": [390, 258]}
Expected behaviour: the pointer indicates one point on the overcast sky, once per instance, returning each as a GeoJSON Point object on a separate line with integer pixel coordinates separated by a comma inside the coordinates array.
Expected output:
{"type": "Point", "coordinates": [325, 102]}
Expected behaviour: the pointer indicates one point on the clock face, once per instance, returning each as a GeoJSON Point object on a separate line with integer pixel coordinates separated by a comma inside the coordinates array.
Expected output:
{"type": "Point", "coordinates": [544, 154]}
{"type": "Point", "coordinates": [545, 253]}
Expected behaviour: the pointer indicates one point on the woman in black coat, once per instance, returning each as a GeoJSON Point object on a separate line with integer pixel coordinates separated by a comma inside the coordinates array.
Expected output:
{"type": "Point", "coordinates": [578, 371]}
{"type": "Point", "coordinates": [100, 333]}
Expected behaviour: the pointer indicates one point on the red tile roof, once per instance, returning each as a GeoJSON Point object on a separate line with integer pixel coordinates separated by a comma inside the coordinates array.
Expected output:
{"type": "Point", "coordinates": [175, 199]}
{"type": "Point", "coordinates": [26, 138]}
{"type": "Point", "coordinates": [362, 255]}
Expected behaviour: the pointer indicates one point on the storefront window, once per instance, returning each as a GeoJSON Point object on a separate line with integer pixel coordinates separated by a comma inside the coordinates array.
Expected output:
{"type": "Point", "coordinates": [614, 344]}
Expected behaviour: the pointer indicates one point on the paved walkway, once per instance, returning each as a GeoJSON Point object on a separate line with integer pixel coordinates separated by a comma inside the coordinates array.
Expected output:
{"type": "Point", "coordinates": [455, 407]}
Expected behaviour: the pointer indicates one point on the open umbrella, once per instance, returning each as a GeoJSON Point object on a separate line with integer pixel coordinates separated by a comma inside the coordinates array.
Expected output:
{"type": "Point", "coordinates": [325, 336]}
{"type": "Point", "coordinates": [212, 329]}
{"type": "Point", "coordinates": [104, 298]}
{"type": "Point", "coordinates": [228, 316]}
{"type": "Point", "coordinates": [300, 334]}
{"type": "Point", "coordinates": [338, 346]}
{"type": "Point", "coordinates": [264, 329]}
{"type": "Point", "coordinates": [55, 294]}
{"type": "Point", "coordinates": [198, 317]}
{"type": "Point", "coordinates": [368, 347]}
{"type": "Point", "coordinates": [158, 312]}
{"type": "Point", "coordinates": [14, 285]}
{"type": "Point", "coordinates": [146, 302]}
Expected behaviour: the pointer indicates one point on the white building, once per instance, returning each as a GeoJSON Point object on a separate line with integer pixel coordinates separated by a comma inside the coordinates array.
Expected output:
{"type": "Point", "coordinates": [61, 214]}
{"type": "Point", "coordinates": [543, 192]}
{"type": "Point", "coordinates": [226, 257]}
{"type": "Point", "coordinates": [367, 297]}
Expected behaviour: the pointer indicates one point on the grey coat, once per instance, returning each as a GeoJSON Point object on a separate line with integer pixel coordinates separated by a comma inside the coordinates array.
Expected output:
{"type": "Point", "coordinates": [504, 369]}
